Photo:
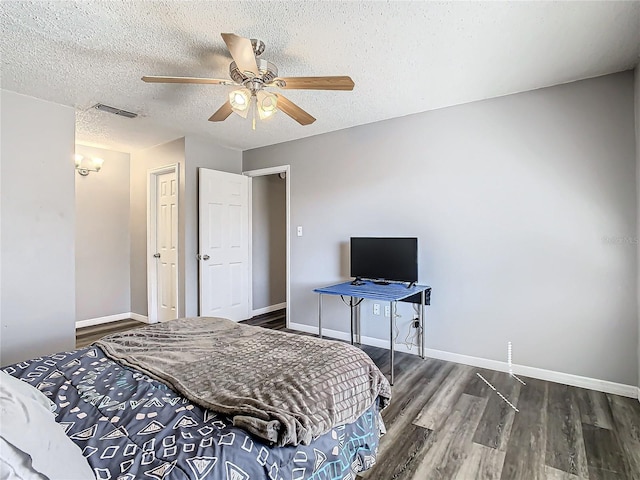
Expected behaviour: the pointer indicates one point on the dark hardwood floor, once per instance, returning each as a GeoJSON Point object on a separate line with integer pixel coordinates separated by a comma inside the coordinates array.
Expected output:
{"type": "Point", "coordinates": [87, 335]}
{"type": "Point", "coordinates": [444, 422]}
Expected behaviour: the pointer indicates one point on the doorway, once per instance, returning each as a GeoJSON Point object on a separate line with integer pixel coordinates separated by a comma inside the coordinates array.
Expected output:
{"type": "Point", "coordinates": [269, 221]}
{"type": "Point", "coordinates": [162, 243]}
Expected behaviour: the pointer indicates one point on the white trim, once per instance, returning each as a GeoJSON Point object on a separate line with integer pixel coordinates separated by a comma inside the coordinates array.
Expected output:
{"type": "Point", "coordinates": [540, 373]}
{"type": "Point", "coordinates": [287, 185]}
{"type": "Point", "coordinates": [301, 327]}
{"type": "Point", "coordinates": [269, 309]}
{"type": "Point", "coordinates": [271, 171]}
{"type": "Point", "coordinates": [140, 318]}
{"type": "Point", "coordinates": [638, 394]}
{"type": "Point", "coordinates": [89, 322]}
{"type": "Point", "coordinates": [266, 171]}
{"type": "Point", "coordinates": [152, 290]}
{"type": "Point", "coordinates": [250, 238]}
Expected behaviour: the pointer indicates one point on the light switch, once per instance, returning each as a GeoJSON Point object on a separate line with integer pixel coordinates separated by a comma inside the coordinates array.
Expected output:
{"type": "Point", "coordinates": [299, 231]}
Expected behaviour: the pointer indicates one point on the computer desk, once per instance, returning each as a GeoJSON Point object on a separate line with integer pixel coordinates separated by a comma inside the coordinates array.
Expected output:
{"type": "Point", "coordinates": [392, 293]}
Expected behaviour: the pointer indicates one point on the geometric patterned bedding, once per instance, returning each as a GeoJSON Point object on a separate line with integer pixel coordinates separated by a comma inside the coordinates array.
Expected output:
{"type": "Point", "coordinates": [130, 426]}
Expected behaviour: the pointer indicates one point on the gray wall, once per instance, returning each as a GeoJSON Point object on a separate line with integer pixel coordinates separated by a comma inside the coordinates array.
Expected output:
{"type": "Point", "coordinates": [102, 236]}
{"type": "Point", "coordinates": [513, 199]}
{"type": "Point", "coordinates": [141, 163]}
{"type": "Point", "coordinates": [206, 154]}
{"type": "Point", "coordinates": [191, 153]}
{"type": "Point", "coordinates": [37, 295]}
{"type": "Point", "coordinates": [269, 248]}
{"type": "Point", "coordinates": [637, 111]}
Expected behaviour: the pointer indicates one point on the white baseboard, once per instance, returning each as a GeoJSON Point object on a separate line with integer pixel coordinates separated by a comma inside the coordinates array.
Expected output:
{"type": "Point", "coordinates": [269, 309]}
{"type": "Point", "coordinates": [540, 373]}
{"type": "Point", "coordinates": [301, 327]}
{"type": "Point", "coordinates": [99, 320]}
{"type": "Point", "coordinates": [111, 318]}
{"type": "Point", "coordinates": [137, 316]}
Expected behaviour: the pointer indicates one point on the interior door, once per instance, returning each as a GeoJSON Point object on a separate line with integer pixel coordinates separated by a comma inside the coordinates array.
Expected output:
{"type": "Point", "coordinates": [224, 244]}
{"type": "Point", "coordinates": [166, 252]}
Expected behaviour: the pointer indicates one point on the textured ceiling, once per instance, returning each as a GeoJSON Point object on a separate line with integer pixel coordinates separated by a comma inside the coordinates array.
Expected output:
{"type": "Point", "coordinates": [405, 57]}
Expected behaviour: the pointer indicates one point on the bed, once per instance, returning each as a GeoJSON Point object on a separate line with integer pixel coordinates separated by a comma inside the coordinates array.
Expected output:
{"type": "Point", "coordinates": [130, 425]}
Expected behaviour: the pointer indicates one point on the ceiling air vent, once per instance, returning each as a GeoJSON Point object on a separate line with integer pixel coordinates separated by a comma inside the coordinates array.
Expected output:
{"type": "Point", "coordinates": [116, 111]}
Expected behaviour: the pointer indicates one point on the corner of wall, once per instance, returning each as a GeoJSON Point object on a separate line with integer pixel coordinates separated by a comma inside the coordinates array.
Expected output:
{"type": "Point", "coordinates": [102, 203]}
{"type": "Point", "coordinates": [637, 125]}
{"type": "Point", "coordinates": [167, 153]}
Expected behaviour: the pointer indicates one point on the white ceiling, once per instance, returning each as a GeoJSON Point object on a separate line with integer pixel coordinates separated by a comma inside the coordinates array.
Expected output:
{"type": "Point", "coordinates": [405, 57]}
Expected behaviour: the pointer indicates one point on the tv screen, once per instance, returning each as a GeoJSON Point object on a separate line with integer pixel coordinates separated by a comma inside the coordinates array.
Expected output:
{"type": "Point", "coordinates": [394, 259]}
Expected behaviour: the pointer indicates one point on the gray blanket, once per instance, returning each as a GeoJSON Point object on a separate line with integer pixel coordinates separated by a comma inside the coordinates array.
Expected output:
{"type": "Point", "coordinates": [282, 387]}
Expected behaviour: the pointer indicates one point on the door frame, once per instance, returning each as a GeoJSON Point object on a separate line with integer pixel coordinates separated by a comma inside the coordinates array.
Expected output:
{"type": "Point", "coordinates": [286, 169]}
{"type": "Point", "coordinates": [152, 271]}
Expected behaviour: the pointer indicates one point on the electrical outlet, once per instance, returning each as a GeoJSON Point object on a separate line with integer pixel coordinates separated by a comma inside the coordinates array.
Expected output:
{"type": "Point", "coordinates": [387, 311]}
{"type": "Point", "coordinates": [376, 309]}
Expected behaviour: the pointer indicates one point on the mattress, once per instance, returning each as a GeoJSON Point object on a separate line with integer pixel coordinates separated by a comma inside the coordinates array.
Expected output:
{"type": "Point", "coordinates": [282, 387]}
{"type": "Point", "coordinates": [130, 426]}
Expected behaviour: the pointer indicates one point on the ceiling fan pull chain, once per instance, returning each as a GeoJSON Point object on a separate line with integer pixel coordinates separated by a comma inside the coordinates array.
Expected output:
{"type": "Point", "coordinates": [253, 107]}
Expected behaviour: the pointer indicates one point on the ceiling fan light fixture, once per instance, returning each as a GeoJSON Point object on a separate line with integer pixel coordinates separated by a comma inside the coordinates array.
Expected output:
{"type": "Point", "coordinates": [267, 104]}
{"type": "Point", "coordinates": [240, 100]}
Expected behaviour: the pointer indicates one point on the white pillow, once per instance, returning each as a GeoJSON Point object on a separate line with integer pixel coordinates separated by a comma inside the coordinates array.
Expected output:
{"type": "Point", "coordinates": [28, 429]}
{"type": "Point", "coordinates": [17, 387]}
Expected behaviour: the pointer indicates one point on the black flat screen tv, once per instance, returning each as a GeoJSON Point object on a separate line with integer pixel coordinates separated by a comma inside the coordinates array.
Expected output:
{"type": "Point", "coordinates": [385, 258]}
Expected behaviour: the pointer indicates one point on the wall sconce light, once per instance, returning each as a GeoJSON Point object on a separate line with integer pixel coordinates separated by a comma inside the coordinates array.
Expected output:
{"type": "Point", "coordinates": [90, 165]}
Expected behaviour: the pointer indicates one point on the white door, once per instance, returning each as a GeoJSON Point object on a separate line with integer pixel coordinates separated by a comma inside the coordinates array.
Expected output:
{"type": "Point", "coordinates": [166, 240]}
{"type": "Point", "coordinates": [224, 244]}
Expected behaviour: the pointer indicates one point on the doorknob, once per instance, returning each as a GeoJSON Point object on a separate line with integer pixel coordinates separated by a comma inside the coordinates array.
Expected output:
{"type": "Point", "coordinates": [156, 255]}
{"type": "Point", "coordinates": [205, 257]}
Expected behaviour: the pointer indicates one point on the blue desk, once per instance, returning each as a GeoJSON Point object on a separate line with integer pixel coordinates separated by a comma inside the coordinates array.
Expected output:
{"type": "Point", "coordinates": [391, 293]}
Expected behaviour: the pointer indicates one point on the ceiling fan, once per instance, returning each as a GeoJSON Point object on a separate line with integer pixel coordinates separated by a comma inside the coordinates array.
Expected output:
{"type": "Point", "coordinates": [254, 75]}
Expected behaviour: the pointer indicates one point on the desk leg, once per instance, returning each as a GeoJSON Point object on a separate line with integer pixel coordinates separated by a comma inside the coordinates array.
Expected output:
{"type": "Point", "coordinates": [421, 339]}
{"type": "Point", "coordinates": [352, 318]}
{"type": "Point", "coordinates": [320, 314]}
{"type": "Point", "coordinates": [358, 325]}
{"type": "Point", "coordinates": [391, 318]}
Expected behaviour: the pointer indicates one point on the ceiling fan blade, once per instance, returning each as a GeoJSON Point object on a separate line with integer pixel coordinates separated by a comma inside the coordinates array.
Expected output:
{"type": "Point", "coordinates": [242, 52]}
{"type": "Point", "coordinates": [223, 112]}
{"type": "Point", "coordinates": [163, 79]}
{"type": "Point", "coordinates": [316, 83]}
{"type": "Point", "coordinates": [299, 115]}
